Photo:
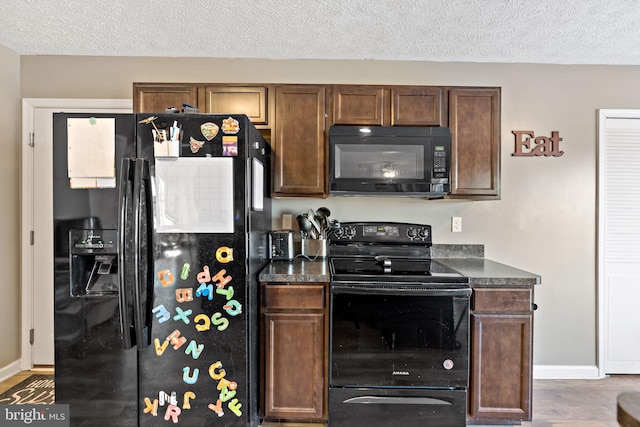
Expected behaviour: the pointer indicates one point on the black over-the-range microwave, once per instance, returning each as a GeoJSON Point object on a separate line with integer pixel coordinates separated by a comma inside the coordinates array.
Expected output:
{"type": "Point", "coordinates": [390, 161]}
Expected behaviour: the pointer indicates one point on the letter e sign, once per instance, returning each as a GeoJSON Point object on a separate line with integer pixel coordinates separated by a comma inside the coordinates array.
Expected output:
{"type": "Point", "coordinates": [541, 146]}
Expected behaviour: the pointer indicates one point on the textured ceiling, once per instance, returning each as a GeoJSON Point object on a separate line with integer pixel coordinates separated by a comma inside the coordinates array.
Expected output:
{"type": "Point", "coordinates": [527, 31]}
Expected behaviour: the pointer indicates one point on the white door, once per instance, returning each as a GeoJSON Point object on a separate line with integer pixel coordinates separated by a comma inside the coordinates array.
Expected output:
{"type": "Point", "coordinates": [619, 241]}
{"type": "Point", "coordinates": [37, 208]}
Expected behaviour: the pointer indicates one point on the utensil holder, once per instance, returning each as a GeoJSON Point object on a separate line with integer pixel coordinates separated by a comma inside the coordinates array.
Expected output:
{"type": "Point", "coordinates": [314, 248]}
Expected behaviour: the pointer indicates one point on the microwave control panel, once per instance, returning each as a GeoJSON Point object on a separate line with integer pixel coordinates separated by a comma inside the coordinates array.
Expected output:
{"type": "Point", "coordinates": [441, 162]}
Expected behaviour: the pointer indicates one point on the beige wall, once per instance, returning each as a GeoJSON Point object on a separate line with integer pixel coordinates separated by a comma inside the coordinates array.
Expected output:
{"type": "Point", "coordinates": [546, 220]}
{"type": "Point", "coordinates": [10, 202]}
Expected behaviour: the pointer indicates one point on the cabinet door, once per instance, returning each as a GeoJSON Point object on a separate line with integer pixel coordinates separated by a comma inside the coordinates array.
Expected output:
{"type": "Point", "coordinates": [417, 106]}
{"type": "Point", "coordinates": [249, 100]}
{"type": "Point", "coordinates": [298, 141]}
{"type": "Point", "coordinates": [500, 385]}
{"type": "Point", "coordinates": [358, 105]}
{"type": "Point", "coordinates": [155, 98]}
{"type": "Point", "coordinates": [294, 360]}
{"type": "Point", "coordinates": [474, 119]}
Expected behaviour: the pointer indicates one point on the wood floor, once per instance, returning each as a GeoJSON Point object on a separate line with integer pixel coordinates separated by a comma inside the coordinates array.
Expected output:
{"type": "Point", "coordinates": [556, 403]}
{"type": "Point", "coordinates": [579, 403]}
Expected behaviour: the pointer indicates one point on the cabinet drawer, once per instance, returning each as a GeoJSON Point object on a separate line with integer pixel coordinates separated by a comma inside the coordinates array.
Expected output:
{"type": "Point", "coordinates": [501, 300]}
{"type": "Point", "coordinates": [294, 297]}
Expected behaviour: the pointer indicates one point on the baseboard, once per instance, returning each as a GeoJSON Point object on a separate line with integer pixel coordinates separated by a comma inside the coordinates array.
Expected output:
{"type": "Point", "coordinates": [10, 370]}
{"type": "Point", "coordinates": [565, 372]}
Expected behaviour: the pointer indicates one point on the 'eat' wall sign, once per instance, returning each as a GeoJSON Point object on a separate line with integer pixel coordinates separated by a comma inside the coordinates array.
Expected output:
{"type": "Point", "coordinates": [542, 145]}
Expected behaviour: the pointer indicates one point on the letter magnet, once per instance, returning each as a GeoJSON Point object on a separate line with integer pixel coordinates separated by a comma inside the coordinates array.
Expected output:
{"type": "Point", "coordinates": [166, 277]}
{"type": "Point", "coordinates": [224, 254]}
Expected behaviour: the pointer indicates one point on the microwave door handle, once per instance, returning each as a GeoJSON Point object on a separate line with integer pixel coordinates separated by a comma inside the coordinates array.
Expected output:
{"type": "Point", "coordinates": [124, 254]}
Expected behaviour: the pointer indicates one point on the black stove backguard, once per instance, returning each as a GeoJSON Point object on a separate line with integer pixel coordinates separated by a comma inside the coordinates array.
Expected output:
{"type": "Point", "coordinates": [399, 330]}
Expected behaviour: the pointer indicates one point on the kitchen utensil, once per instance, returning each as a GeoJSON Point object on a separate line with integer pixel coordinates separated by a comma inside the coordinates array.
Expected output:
{"type": "Point", "coordinates": [324, 211]}
{"type": "Point", "coordinates": [320, 220]}
{"type": "Point", "coordinates": [322, 215]}
{"type": "Point", "coordinates": [304, 224]}
{"type": "Point", "coordinates": [316, 225]}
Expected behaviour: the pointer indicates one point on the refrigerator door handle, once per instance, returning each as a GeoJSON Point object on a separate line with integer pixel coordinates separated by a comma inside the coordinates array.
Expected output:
{"type": "Point", "coordinates": [143, 253]}
{"type": "Point", "coordinates": [124, 255]}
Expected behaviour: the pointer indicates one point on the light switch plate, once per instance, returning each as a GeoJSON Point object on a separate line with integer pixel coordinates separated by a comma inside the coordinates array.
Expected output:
{"type": "Point", "coordinates": [287, 222]}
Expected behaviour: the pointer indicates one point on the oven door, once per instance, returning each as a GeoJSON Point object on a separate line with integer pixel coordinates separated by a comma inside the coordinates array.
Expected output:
{"type": "Point", "coordinates": [397, 335]}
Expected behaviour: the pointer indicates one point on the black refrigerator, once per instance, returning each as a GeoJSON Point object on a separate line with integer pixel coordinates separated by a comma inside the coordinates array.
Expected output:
{"type": "Point", "coordinates": [160, 226]}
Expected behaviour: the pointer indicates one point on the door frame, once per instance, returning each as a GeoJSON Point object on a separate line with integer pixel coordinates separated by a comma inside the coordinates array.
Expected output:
{"type": "Point", "coordinates": [603, 115]}
{"type": "Point", "coordinates": [29, 105]}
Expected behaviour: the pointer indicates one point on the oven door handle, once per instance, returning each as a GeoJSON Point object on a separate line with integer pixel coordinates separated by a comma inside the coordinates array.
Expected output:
{"type": "Point", "coordinates": [400, 290]}
{"type": "Point", "coordinates": [397, 400]}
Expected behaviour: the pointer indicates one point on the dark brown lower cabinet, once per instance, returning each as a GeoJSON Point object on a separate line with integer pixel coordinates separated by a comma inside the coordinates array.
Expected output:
{"type": "Point", "coordinates": [295, 339]}
{"type": "Point", "coordinates": [501, 356]}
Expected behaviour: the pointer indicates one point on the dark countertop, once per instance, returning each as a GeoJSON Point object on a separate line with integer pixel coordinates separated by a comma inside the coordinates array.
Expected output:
{"type": "Point", "coordinates": [466, 259]}
{"type": "Point", "coordinates": [299, 270]}
{"type": "Point", "coordinates": [484, 272]}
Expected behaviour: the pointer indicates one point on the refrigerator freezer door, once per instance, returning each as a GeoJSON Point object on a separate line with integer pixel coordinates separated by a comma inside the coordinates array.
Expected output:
{"type": "Point", "coordinates": [94, 373]}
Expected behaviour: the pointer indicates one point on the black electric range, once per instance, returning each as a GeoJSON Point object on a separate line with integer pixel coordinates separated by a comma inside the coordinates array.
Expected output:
{"type": "Point", "coordinates": [399, 329]}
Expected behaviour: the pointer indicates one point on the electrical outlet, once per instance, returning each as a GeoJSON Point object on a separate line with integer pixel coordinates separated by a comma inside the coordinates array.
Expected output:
{"type": "Point", "coordinates": [287, 222]}
{"type": "Point", "coordinates": [456, 224]}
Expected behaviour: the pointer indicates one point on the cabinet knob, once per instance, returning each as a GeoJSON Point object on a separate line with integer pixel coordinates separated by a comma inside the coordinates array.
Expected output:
{"type": "Point", "coordinates": [534, 306]}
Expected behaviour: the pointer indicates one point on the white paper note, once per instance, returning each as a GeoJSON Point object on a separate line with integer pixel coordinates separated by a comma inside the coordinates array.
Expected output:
{"type": "Point", "coordinates": [194, 195]}
{"type": "Point", "coordinates": [91, 147]}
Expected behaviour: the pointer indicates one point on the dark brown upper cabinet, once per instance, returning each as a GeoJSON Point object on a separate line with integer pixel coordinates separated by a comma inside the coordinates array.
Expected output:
{"type": "Point", "coordinates": [156, 98]}
{"type": "Point", "coordinates": [417, 106]}
{"type": "Point", "coordinates": [298, 141]}
{"type": "Point", "coordinates": [359, 105]}
{"type": "Point", "coordinates": [249, 100]}
{"type": "Point", "coordinates": [474, 119]}
{"type": "Point", "coordinates": [295, 119]}
{"type": "Point", "coordinates": [387, 105]}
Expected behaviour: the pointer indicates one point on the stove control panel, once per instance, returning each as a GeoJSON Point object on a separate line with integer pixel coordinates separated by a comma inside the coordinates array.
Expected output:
{"type": "Point", "coordinates": [344, 232]}
{"type": "Point", "coordinates": [383, 232]}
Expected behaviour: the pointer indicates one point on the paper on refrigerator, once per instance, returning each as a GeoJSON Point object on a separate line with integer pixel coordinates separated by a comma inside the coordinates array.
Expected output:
{"type": "Point", "coordinates": [91, 151]}
{"type": "Point", "coordinates": [194, 195]}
